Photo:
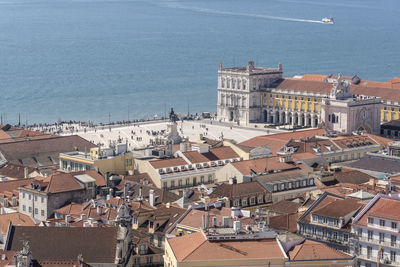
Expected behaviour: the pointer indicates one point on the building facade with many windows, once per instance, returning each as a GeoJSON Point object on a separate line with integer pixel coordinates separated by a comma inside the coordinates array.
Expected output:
{"type": "Point", "coordinates": [376, 232]}
{"type": "Point", "coordinates": [257, 94]}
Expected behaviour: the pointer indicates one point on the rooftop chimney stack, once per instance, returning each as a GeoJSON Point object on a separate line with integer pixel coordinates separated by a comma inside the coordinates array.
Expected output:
{"type": "Point", "coordinates": [26, 172]}
{"type": "Point", "coordinates": [151, 198]}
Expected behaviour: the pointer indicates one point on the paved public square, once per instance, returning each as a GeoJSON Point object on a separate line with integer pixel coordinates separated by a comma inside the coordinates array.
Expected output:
{"type": "Point", "coordinates": [139, 135]}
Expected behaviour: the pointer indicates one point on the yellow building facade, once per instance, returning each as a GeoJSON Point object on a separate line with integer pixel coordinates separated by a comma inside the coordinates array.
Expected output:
{"type": "Point", "coordinates": [78, 161]}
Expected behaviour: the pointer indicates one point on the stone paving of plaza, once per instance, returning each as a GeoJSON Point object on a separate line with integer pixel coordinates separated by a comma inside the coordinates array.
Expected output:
{"type": "Point", "coordinates": [139, 135]}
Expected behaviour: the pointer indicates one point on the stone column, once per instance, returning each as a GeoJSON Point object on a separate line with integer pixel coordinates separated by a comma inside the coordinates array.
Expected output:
{"type": "Point", "coordinates": [293, 119]}
{"type": "Point", "coordinates": [274, 117]}
{"type": "Point", "coordinates": [299, 119]}
{"type": "Point", "coordinates": [313, 120]}
{"type": "Point", "coordinates": [286, 117]}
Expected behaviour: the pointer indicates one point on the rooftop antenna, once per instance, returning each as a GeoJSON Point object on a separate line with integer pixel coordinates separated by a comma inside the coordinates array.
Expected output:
{"type": "Point", "coordinates": [19, 119]}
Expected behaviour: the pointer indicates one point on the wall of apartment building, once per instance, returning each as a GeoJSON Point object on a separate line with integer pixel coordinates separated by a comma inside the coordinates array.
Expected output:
{"type": "Point", "coordinates": [48, 202]}
{"type": "Point", "coordinates": [242, 154]}
{"type": "Point", "coordinates": [227, 172]}
{"type": "Point", "coordinates": [350, 154]}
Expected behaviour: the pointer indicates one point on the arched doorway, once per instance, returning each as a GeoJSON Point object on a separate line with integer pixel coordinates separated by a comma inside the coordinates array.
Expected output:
{"type": "Point", "coordinates": [265, 116]}
{"type": "Point", "coordinates": [364, 128]}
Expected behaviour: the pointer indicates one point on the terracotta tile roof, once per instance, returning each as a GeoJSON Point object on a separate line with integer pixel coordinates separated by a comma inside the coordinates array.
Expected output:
{"type": "Point", "coordinates": [196, 157]}
{"type": "Point", "coordinates": [71, 209]}
{"type": "Point", "coordinates": [304, 86]}
{"type": "Point", "coordinates": [315, 83]}
{"type": "Point", "coordinates": [13, 185]}
{"type": "Point", "coordinates": [15, 218]}
{"type": "Point", "coordinates": [218, 153]}
{"type": "Point", "coordinates": [238, 190]}
{"type": "Point", "coordinates": [16, 171]}
{"type": "Point", "coordinates": [311, 250]}
{"type": "Point", "coordinates": [312, 145]}
{"type": "Point", "coordinates": [262, 165]}
{"type": "Point", "coordinates": [285, 222]}
{"type": "Point", "coordinates": [284, 207]}
{"type": "Point", "coordinates": [8, 258]}
{"type": "Point", "coordinates": [195, 247]}
{"type": "Point", "coordinates": [59, 182]}
{"type": "Point", "coordinates": [338, 208]}
{"type": "Point", "coordinates": [325, 202]}
{"type": "Point", "coordinates": [165, 163]}
{"type": "Point", "coordinates": [139, 178]}
{"type": "Point", "coordinates": [224, 152]}
{"type": "Point", "coordinates": [379, 139]}
{"type": "Point", "coordinates": [277, 141]}
{"type": "Point", "coordinates": [97, 245]}
{"type": "Point", "coordinates": [383, 208]}
{"type": "Point", "coordinates": [346, 142]}
{"type": "Point", "coordinates": [194, 217]}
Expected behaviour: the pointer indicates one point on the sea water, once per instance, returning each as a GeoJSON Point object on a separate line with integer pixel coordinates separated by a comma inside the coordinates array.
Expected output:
{"type": "Point", "coordinates": [118, 59]}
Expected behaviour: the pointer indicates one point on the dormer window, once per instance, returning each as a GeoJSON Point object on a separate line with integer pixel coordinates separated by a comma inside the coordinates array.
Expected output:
{"type": "Point", "coordinates": [183, 168]}
{"type": "Point", "coordinates": [220, 163]}
{"type": "Point", "coordinates": [198, 166]}
{"type": "Point", "coordinates": [227, 161]}
{"type": "Point", "coordinates": [325, 220]}
{"type": "Point", "coordinates": [191, 167]}
{"type": "Point", "coordinates": [160, 171]}
{"type": "Point", "coordinates": [176, 169]}
{"type": "Point", "coordinates": [169, 170]}
{"type": "Point", "coordinates": [205, 165]}
{"type": "Point", "coordinates": [213, 164]}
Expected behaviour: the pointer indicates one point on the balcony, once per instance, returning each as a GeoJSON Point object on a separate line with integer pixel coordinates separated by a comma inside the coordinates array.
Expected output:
{"type": "Point", "coordinates": [376, 242]}
{"type": "Point", "coordinates": [384, 262]}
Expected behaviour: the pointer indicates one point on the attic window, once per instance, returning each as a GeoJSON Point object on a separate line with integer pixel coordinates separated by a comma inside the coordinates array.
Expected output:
{"type": "Point", "coordinates": [329, 147]}
{"type": "Point", "coordinates": [198, 166]}
{"type": "Point", "coordinates": [182, 168]}
{"type": "Point", "coordinates": [160, 171]}
{"type": "Point", "coordinates": [176, 169]}
{"type": "Point", "coordinates": [191, 167]}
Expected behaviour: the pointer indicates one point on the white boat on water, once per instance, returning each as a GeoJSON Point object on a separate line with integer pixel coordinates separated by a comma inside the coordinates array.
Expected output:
{"type": "Point", "coordinates": [327, 20]}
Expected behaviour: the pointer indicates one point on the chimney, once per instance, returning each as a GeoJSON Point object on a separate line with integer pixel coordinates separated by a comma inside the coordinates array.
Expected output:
{"type": "Point", "coordinates": [236, 226]}
{"type": "Point", "coordinates": [126, 189]}
{"type": "Point", "coordinates": [268, 218]}
{"type": "Point", "coordinates": [83, 216]}
{"type": "Point", "coordinates": [168, 205]}
{"type": "Point", "coordinates": [280, 66]}
{"type": "Point", "coordinates": [220, 66]}
{"type": "Point", "coordinates": [26, 172]}
{"type": "Point", "coordinates": [98, 209]}
{"type": "Point", "coordinates": [140, 193]}
{"type": "Point", "coordinates": [151, 197]}
{"type": "Point", "coordinates": [68, 218]}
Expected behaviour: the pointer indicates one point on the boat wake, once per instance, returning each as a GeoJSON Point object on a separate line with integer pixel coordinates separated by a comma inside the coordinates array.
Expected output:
{"type": "Point", "coordinates": [228, 13]}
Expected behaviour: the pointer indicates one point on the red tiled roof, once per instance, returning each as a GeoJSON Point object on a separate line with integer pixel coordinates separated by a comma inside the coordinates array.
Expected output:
{"type": "Point", "coordinates": [262, 165]}
{"type": "Point", "coordinates": [165, 163]}
{"type": "Point", "coordinates": [61, 182]}
{"type": "Point", "coordinates": [195, 247]}
{"type": "Point", "coordinates": [276, 141]}
{"type": "Point", "coordinates": [311, 250]}
{"type": "Point", "coordinates": [383, 208]}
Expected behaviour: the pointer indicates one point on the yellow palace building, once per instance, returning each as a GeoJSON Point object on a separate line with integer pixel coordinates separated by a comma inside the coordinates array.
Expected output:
{"type": "Point", "coordinates": [261, 95]}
